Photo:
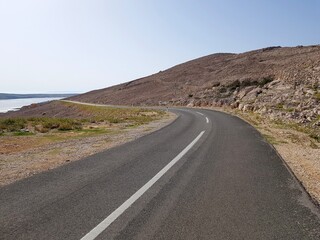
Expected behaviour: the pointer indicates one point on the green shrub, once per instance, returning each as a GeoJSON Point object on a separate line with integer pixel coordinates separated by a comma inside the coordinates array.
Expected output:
{"type": "Point", "coordinates": [265, 80]}
{"type": "Point", "coordinates": [42, 125]}
{"type": "Point", "coordinates": [114, 120]}
{"type": "Point", "coordinates": [279, 106]}
{"type": "Point", "coordinates": [96, 114]}
{"type": "Point", "coordinates": [12, 124]}
{"type": "Point", "coordinates": [315, 136]}
{"type": "Point", "coordinates": [234, 85]}
{"type": "Point", "coordinates": [69, 124]}
{"type": "Point", "coordinates": [23, 134]}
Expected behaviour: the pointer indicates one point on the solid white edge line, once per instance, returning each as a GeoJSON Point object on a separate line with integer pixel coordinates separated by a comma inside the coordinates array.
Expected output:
{"type": "Point", "coordinates": [207, 119]}
{"type": "Point", "coordinates": [116, 213]}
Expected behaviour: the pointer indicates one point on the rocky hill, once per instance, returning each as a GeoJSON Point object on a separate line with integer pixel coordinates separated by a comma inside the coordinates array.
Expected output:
{"type": "Point", "coordinates": [279, 81]}
{"type": "Point", "coordinates": [276, 82]}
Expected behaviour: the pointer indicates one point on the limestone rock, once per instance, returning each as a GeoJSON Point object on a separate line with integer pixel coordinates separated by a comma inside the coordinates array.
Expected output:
{"type": "Point", "coordinates": [247, 107]}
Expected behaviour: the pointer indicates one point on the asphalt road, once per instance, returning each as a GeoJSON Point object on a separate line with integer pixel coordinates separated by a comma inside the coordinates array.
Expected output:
{"type": "Point", "coordinates": [208, 175]}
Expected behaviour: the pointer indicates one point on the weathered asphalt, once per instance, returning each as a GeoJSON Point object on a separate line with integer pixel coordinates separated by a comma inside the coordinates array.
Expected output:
{"type": "Point", "coordinates": [230, 185]}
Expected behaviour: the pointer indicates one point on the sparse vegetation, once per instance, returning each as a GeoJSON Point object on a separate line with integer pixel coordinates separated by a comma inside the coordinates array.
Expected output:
{"type": "Point", "coordinates": [234, 85]}
{"type": "Point", "coordinates": [23, 133]}
{"type": "Point", "coordinates": [315, 136]}
{"type": "Point", "coordinates": [24, 126]}
{"type": "Point", "coordinates": [136, 116]}
{"type": "Point", "coordinates": [12, 124]}
{"type": "Point", "coordinates": [279, 106]}
{"type": "Point", "coordinates": [270, 139]}
{"type": "Point", "coordinates": [278, 123]}
{"type": "Point", "coordinates": [251, 82]}
{"type": "Point", "coordinates": [265, 80]}
{"type": "Point", "coordinates": [35, 143]}
{"type": "Point", "coordinates": [313, 145]}
{"type": "Point", "coordinates": [222, 89]}
{"type": "Point", "coordinates": [21, 126]}
{"type": "Point", "coordinates": [317, 96]}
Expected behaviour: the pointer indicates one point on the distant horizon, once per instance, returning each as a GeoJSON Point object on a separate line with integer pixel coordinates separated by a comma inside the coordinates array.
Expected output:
{"type": "Point", "coordinates": [77, 93]}
{"type": "Point", "coordinates": [70, 92]}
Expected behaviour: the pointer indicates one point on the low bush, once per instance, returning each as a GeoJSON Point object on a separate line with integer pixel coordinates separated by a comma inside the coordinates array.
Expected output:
{"type": "Point", "coordinates": [42, 125]}
{"type": "Point", "coordinates": [95, 114]}
{"type": "Point", "coordinates": [12, 124]}
{"type": "Point", "coordinates": [265, 80]}
{"type": "Point", "coordinates": [315, 136]}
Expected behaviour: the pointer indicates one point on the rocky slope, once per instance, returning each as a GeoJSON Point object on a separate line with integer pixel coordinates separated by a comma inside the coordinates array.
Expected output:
{"type": "Point", "coordinates": [280, 82]}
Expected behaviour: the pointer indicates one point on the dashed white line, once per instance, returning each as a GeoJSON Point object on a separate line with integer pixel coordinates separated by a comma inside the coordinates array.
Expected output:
{"type": "Point", "coordinates": [200, 113]}
{"type": "Point", "coordinates": [207, 119]}
{"type": "Point", "coordinates": [116, 213]}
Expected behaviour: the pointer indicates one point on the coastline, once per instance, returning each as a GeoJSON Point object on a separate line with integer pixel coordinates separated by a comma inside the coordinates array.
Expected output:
{"type": "Point", "coordinates": [7, 105]}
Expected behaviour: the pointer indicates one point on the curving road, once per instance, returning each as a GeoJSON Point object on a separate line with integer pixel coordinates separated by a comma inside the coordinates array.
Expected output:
{"type": "Point", "coordinates": [208, 175]}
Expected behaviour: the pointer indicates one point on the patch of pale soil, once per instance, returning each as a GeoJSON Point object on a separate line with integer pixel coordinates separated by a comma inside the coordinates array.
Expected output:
{"type": "Point", "coordinates": [24, 162]}
{"type": "Point", "coordinates": [17, 144]}
{"type": "Point", "coordinates": [300, 152]}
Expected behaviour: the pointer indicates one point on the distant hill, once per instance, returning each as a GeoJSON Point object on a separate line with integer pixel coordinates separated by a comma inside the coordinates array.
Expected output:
{"type": "Point", "coordinates": [278, 82]}
{"type": "Point", "coordinates": [4, 96]}
{"type": "Point", "coordinates": [206, 80]}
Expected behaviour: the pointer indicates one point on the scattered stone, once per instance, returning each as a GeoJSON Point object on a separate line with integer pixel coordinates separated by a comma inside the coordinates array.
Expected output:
{"type": "Point", "coordinates": [244, 91]}
{"type": "Point", "coordinates": [247, 107]}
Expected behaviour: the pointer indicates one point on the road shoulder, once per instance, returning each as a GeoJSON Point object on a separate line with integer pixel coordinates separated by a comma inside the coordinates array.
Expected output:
{"type": "Point", "coordinates": [20, 164]}
{"type": "Point", "coordinates": [299, 152]}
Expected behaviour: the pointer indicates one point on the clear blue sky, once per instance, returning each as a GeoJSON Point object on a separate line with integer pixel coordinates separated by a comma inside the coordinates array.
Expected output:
{"type": "Point", "coordinates": [76, 45]}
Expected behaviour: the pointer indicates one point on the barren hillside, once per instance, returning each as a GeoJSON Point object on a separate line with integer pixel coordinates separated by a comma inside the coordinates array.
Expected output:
{"type": "Point", "coordinates": [280, 82]}
{"type": "Point", "coordinates": [299, 64]}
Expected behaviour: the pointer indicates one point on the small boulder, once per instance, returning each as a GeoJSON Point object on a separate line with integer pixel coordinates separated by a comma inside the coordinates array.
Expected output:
{"type": "Point", "coordinates": [244, 91]}
{"type": "Point", "coordinates": [191, 104]}
{"type": "Point", "coordinates": [247, 107]}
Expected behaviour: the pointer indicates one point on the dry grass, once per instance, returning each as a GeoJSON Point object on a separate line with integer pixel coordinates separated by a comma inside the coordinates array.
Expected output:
{"type": "Point", "coordinates": [18, 126]}
{"type": "Point", "coordinates": [25, 155]}
{"type": "Point", "coordinates": [23, 133]}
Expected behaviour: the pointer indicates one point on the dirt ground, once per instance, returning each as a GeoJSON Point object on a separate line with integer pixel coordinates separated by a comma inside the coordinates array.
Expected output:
{"type": "Point", "coordinates": [23, 156]}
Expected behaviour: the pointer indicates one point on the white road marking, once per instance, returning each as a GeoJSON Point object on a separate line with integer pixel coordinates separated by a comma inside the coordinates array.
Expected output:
{"type": "Point", "coordinates": [200, 113]}
{"type": "Point", "coordinates": [207, 119]}
{"type": "Point", "coordinates": [116, 213]}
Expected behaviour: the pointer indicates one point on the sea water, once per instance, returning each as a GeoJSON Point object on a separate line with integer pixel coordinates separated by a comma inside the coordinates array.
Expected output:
{"type": "Point", "coordinates": [15, 104]}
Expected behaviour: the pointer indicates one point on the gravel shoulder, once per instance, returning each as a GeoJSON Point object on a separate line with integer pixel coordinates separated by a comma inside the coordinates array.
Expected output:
{"type": "Point", "coordinates": [20, 163]}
